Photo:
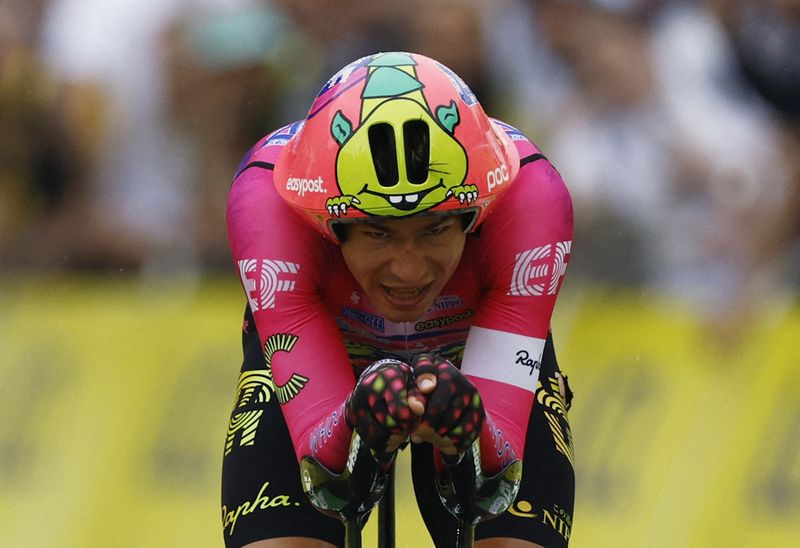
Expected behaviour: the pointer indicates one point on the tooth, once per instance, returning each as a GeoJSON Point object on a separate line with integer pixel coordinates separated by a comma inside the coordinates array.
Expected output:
{"type": "Point", "coordinates": [395, 199]}
{"type": "Point", "coordinates": [412, 198]}
{"type": "Point", "coordinates": [405, 292]}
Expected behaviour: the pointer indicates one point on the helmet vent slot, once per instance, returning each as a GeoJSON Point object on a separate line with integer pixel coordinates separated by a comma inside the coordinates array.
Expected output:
{"type": "Point", "coordinates": [417, 141]}
{"type": "Point", "coordinates": [384, 153]}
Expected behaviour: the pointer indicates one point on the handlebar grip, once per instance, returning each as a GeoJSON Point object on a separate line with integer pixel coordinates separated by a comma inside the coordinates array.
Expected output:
{"type": "Point", "coordinates": [353, 493]}
{"type": "Point", "coordinates": [472, 497]}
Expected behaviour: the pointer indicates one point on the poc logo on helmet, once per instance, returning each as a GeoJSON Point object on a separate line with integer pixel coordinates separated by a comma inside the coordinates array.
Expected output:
{"type": "Point", "coordinates": [497, 177]}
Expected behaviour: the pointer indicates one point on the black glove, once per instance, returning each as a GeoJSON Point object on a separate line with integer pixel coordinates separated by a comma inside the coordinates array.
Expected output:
{"type": "Point", "coordinates": [454, 410]}
{"type": "Point", "coordinates": [377, 408]}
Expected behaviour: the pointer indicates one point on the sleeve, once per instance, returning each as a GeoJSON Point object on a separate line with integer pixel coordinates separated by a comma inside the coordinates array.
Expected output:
{"type": "Point", "coordinates": [280, 258]}
{"type": "Point", "coordinates": [526, 244]}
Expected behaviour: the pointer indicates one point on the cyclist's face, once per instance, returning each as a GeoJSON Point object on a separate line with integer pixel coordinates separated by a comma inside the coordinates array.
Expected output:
{"type": "Point", "coordinates": [403, 264]}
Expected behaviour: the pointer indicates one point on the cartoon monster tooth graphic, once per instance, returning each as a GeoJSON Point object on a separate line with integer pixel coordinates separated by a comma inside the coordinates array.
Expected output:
{"type": "Point", "coordinates": [396, 120]}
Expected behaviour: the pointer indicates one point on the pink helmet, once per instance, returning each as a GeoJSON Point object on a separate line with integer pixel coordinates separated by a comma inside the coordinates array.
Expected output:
{"type": "Point", "coordinates": [392, 135]}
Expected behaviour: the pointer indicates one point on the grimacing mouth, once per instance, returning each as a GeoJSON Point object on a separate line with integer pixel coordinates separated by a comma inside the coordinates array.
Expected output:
{"type": "Point", "coordinates": [404, 202]}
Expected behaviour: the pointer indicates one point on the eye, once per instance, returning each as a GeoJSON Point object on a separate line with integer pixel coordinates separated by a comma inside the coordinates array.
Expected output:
{"type": "Point", "coordinates": [438, 230]}
{"type": "Point", "coordinates": [375, 234]}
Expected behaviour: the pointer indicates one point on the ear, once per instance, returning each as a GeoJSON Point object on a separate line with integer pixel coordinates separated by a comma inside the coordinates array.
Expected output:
{"type": "Point", "coordinates": [341, 128]}
{"type": "Point", "coordinates": [448, 116]}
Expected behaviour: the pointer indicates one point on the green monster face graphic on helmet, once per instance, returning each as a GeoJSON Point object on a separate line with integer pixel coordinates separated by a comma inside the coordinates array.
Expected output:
{"type": "Point", "coordinates": [403, 157]}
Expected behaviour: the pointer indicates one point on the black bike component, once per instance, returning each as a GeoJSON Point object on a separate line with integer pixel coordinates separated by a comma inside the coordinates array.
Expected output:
{"type": "Point", "coordinates": [472, 497]}
{"type": "Point", "coordinates": [386, 520]}
{"type": "Point", "coordinates": [351, 495]}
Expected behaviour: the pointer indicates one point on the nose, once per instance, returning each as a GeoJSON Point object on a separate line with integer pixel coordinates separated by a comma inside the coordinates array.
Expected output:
{"type": "Point", "coordinates": [409, 265]}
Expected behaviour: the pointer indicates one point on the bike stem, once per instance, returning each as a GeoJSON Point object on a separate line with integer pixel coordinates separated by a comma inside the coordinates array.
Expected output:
{"type": "Point", "coordinates": [465, 534]}
{"type": "Point", "coordinates": [352, 533]}
{"type": "Point", "coordinates": [472, 497]}
{"type": "Point", "coordinates": [386, 519]}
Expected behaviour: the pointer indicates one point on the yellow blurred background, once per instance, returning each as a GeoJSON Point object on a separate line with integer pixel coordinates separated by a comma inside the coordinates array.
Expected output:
{"type": "Point", "coordinates": [676, 125]}
{"type": "Point", "coordinates": [116, 395]}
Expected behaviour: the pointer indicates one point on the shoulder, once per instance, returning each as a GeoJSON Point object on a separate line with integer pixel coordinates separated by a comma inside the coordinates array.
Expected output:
{"type": "Point", "coordinates": [532, 218]}
{"type": "Point", "coordinates": [258, 218]}
{"type": "Point", "coordinates": [264, 153]}
{"type": "Point", "coordinates": [538, 192]}
{"type": "Point", "coordinates": [254, 177]}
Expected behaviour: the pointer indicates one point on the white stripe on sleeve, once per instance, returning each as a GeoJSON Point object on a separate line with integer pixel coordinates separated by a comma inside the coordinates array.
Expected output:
{"type": "Point", "coordinates": [503, 357]}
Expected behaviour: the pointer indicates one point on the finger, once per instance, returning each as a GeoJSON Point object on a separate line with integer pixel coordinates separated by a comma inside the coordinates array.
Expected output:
{"type": "Point", "coordinates": [424, 364]}
{"type": "Point", "coordinates": [416, 403]}
{"type": "Point", "coordinates": [447, 447]}
{"type": "Point", "coordinates": [416, 400]}
{"type": "Point", "coordinates": [425, 434]}
{"type": "Point", "coordinates": [394, 441]}
{"type": "Point", "coordinates": [426, 383]}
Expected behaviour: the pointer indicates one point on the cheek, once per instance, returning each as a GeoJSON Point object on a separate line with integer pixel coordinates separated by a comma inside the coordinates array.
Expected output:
{"type": "Point", "coordinates": [358, 262]}
{"type": "Point", "coordinates": [453, 265]}
{"type": "Point", "coordinates": [448, 263]}
{"type": "Point", "coordinates": [458, 249]}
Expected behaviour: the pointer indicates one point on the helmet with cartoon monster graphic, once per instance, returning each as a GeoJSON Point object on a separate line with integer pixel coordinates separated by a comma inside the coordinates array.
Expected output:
{"type": "Point", "coordinates": [392, 135]}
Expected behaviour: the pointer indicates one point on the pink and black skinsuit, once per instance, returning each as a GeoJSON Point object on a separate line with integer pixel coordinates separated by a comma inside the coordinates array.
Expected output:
{"type": "Point", "coordinates": [316, 330]}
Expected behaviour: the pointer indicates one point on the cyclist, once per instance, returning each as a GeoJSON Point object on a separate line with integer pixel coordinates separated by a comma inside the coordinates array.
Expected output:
{"type": "Point", "coordinates": [401, 254]}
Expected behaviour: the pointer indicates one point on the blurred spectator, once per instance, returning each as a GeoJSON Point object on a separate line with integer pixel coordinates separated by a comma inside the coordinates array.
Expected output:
{"type": "Point", "coordinates": [674, 123]}
{"type": "Point", "coordinates": [50, 135]}
{"type": "Point", "coordinates": [452, 32]}
{"type": "Point", "coordinates": [610, 139]}
{"type": "Point", "coordinates": [765, 40]}
{"type": "Point", "coordinates": [682, 181]}
{"type": "Point", "coordinates": [733, 231]}
{"type": "Point", "coordinates": [223, 91]}
{"type": "Point", "coordinates": [142, 191]}
{"type": "Point", "coordinates": [184, 92]}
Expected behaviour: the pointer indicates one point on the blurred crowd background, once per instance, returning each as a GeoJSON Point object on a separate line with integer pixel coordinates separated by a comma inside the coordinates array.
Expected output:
{"type": "Point", "coordinates": [676, 125]}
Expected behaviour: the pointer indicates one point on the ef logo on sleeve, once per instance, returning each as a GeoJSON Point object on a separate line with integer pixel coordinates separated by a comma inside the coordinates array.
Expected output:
{"type": "Point", "coordinates": [538, 271]}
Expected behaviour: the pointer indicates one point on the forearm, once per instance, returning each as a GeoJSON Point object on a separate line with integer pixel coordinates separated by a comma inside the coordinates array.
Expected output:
{"type": "Point", "coordinates": [377, 408]}
{"type": "Point", "coordinates": [502, 437]}
{"type": "Point", "coordinates": [324, 436]}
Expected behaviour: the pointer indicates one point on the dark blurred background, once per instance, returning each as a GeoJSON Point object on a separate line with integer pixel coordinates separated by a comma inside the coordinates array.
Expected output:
{"type": "Point", "coordinates": [676, 125]}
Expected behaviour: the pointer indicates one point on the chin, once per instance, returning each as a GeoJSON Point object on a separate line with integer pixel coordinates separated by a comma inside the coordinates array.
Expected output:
{"type": "Point", "coordinates": [396, 315]}
{"type": "Point", "coordinates": [401, 315]}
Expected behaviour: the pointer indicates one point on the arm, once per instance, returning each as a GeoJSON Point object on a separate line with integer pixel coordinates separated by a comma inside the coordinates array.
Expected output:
{"type": "Point", "coordinates": [521, 256]}
{"type": "Point", "coordinates": [278, 258]}
{"type": "Point", "coordinates": [526, 245]}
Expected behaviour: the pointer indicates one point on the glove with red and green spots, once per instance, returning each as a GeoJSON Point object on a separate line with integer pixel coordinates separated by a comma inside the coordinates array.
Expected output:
{"type": "Point", "coordinates": [454, 410]}
{"type": "Point", "coordinates": [378, 409]}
